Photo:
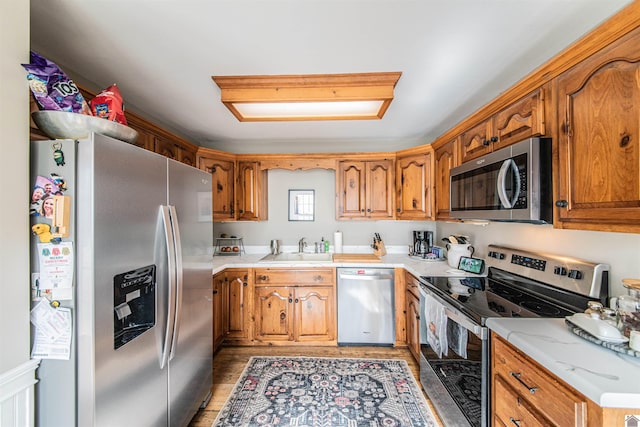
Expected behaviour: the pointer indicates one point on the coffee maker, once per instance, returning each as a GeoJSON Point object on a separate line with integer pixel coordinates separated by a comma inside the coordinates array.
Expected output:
{"type": "Point", "coordinates": [422, 243]}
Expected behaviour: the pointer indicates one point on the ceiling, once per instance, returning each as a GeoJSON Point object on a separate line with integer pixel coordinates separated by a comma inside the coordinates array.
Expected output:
{"type": "Point", "coordinates": [454, 55]}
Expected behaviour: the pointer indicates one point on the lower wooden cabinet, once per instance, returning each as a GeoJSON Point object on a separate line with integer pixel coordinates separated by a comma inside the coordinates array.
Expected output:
{"type": "Point", "coordinates": [413, 325]}
{"type": "Point", "coordinates": [295, 306]}
{"type": "Point", "coordinates": [232, 312]}
{"type": "Point", "coordinates": [528, 386]}
{"type": "Point", "coordinates": [524, 393]}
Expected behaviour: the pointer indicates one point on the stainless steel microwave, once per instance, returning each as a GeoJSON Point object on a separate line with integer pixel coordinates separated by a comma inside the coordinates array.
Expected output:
{"type": "Point", "coordinates": [510, 184]}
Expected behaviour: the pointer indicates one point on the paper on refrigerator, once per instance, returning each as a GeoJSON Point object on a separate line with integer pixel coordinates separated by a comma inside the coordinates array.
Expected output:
{"type": "Point", "coordinates": [56, 267]}
{"type": "Point", "coordinates": [53, 330]}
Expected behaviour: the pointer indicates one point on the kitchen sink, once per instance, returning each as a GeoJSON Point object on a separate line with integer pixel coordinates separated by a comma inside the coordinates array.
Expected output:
{"type": "Point", "coordinates": [297, 256]}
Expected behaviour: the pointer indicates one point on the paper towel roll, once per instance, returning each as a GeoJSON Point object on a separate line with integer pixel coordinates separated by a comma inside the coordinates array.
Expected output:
{"type": "Point", "coordinates": [337, 242]}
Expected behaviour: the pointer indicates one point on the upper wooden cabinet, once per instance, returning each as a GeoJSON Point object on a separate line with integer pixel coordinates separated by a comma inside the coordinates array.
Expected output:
{"type": "Point", "coordinates": [173, 149]}
{"type": "Point", "coordinates": [598, 171]}
{"type": "Point", "coordinates": [251, 192]}
{"type": "Point", "coordinates": [365, 189]}
{"type": "Point", "coordinates": [445, 158]}
{"type": "Point", "coordinates": [522, 119]}
{"type": "Point", "coordinates": [414, 186]}
{"type": "Point", "coordinates": [222, 172]}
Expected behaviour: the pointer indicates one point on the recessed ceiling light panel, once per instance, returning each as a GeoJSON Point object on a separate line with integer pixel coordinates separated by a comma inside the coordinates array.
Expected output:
{"type": "Point", "coordinates": [308, 97]}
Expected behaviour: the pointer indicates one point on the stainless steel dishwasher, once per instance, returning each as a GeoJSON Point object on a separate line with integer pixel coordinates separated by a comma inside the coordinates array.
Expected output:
{"type": "Point", "coordinates": [366, 306]}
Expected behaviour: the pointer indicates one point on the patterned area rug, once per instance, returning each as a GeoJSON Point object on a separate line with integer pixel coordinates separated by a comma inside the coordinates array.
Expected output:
{"type": "Point", "coordinates": [326, 392]}
{"type": "Point", "coordinates": [463, 380]}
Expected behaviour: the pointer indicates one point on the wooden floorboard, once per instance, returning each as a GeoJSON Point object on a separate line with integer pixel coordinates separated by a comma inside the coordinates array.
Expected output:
{"type": "Point", "coordinates": [229, 362]}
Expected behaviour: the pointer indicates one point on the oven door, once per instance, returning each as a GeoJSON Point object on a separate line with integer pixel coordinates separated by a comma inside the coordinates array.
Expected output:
{"type": "Point", "coordinates": [456, 383]}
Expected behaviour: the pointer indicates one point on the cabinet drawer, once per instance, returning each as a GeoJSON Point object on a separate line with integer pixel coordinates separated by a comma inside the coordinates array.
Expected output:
{"type": "Point", "coordinates": [511, 410]}
{"type": "Point", "coordinates": [413, 285]}
{"type": "Point", "coordinates": [294, 276]}
{"type": "Point", "coordinates": [554, 400]}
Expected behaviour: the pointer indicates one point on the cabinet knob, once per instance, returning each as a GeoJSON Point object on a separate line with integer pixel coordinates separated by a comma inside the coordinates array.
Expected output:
{"type": "Point", "coordinates": [297, 300]}
{"type": "Point", "coordinates": [368, 210]}
{"type": "Point", "coordinates": [244, 284]}
{"type": "Point", "coordinates": [290, 300]}
{"type": "Point", "coordinates": [362, 210]}
{"type": "Point", "coordinates": [215, 291]}
{"type": "Point", "coordinates": [562, 204]}
{"type": "Point", "coordinates": [264, 278]}
{"type": "Point", "coordinates": [485, 142]}
{"type": "Point", "coordinates": [283, 316]}
{"type": "Point", "coordinates": [494, 139]}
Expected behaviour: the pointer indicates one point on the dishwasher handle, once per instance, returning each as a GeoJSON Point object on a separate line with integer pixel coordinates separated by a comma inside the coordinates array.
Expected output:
{"type": "Point", "coordinates": [379, 276]}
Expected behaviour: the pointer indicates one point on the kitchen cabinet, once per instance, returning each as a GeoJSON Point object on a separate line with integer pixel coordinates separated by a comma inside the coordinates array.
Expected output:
{"type": "Point", "coordinates": [445, 158]}
{"type": "Point", "coordinates": [524, 392]}
{"type": "Point", "coordinates": [173, 149]}
{"type": "Point", "coordinates": [365, 189]}
{"type": "Point", "coordinates": [236, 294]}
{"type": "Point", "coordinates": [518, 121]}
{"type": "Point", "coordinates": [295, 306]}
{"type": "Point", "coordinates": [218, 311]}
{"type": "Point", "coordinates": [146, 139]}
{"type": "Point", "coordinates": [413, 315]}
{"type": "Point", "coordinates": [251, 192]}
{"type": "Point", "coordinates": [414, 186]}
{"type": "Point", "coordinates": [222, 170]}
{"type": "Point", "coordinates": [598, 185]}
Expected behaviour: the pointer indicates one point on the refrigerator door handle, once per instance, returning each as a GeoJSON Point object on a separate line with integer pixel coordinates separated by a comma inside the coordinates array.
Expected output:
{"type": "Point", "coordinates": [171, 300]}
{"type": "Point", "coordinates": [178, 281]}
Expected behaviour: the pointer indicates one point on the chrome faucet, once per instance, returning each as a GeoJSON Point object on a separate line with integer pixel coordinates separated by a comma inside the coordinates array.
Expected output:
{"type": "Point", "coordinates": [301, 245]}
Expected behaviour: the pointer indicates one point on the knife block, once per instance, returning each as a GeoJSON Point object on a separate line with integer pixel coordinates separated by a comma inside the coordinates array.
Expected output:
{"type": "Point", "coordinates": [379, 249]}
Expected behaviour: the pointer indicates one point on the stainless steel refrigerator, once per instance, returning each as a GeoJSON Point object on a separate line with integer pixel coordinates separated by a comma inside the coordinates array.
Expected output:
{"type": "Point", "coordinates": [141, 348]}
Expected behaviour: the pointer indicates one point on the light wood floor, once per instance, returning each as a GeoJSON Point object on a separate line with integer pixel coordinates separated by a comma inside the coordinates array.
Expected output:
{"type": "Point", "coordinates": [229, 362]}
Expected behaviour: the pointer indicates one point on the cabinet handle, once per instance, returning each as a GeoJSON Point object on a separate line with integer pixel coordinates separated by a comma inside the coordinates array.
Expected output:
{"type": "Point", "coordinates": [514, 421]}
{"type": "Point", "coordinates": [562, 204]}
{"type": "Point", "coordinates": [515, 375]}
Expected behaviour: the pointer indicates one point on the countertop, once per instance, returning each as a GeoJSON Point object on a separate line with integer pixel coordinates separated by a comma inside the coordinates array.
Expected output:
{"type": "Point", "coordinates": [610, 379]}
{"type": "Point", "coordinates": [417, 267]}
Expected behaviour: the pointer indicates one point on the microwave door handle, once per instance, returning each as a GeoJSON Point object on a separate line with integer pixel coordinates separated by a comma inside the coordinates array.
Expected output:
{"type": "Point", "coordinates": [502, 184]}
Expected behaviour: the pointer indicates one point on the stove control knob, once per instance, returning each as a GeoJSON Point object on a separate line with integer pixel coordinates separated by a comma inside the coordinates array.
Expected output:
{"type": "Point", "coordinates": [575, 274]}
{"type": "Point", "coordinates": [560, 271]}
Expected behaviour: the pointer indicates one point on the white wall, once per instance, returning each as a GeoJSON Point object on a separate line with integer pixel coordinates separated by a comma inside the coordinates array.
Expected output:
{"type": "Point", "coordinates": [14, 214]}
{"type": "Point", "coordinates": [323, 182]}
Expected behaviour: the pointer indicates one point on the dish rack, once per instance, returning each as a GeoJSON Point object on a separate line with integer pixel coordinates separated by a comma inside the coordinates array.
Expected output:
{"type": "Point", "coordinates": [617, 347]}
{"type": "Point", "coordinates": [229, 246]}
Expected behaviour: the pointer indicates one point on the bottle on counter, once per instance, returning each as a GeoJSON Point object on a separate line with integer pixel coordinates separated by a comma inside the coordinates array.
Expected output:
{"type": "Point", "coordinates": [326, 245]}
{"type": "Point", "coordinates": [628, 307]}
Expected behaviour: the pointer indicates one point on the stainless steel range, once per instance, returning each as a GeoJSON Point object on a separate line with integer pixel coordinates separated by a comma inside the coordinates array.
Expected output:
{"type": "Point", "coordinates": [519, 283]}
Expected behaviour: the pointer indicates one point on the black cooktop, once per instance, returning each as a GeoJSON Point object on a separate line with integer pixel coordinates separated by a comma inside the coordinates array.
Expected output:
{"type": "Point", "coordinates": [485, 297]}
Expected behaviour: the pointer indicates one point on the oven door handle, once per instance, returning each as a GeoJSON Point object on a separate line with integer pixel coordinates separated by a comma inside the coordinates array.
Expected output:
{"type": "Point", "coordinates": [476, 329]}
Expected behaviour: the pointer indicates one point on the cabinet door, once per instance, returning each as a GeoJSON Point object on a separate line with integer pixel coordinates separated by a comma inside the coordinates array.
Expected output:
{"type": "Point", "coordinates": [273, 313]}
{"type": "Point", "coordinates": [351, 183]}
{"type": "Point", "coordinates": [445, 159]}
{"type": "Point", "coordinates": [476, 141]}
{"type": "Point", "coordinates": [314, 313]}
{"type": "Point", "coordinates": [218, 311]}
{"type": "Point", "coordinates": [251, 192]}
{"type": "Point", "coordinates": [379, 189]}
{"type": "Point", "coordinates": [413, 184]}
{"type": "Point", "coordinates": [222, 179]}
{"type": "Point", "coordinates": [413, 325]}
{"type": "Point", "coordinates": [237, 326]}
{"type": "Point", "coordinates": [599, 140]}
{"type": "Point", "coordinates": [187, 156]}
{"type": "Point", "coordinates": [520, 120]}
{"type": "Point", "coordinates": [165, 147]}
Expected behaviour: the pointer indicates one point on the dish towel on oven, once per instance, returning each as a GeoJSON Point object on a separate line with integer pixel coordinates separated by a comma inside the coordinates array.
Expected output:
{"type": "Point", "coordinates": [457, 337]}
{"type": "Point", "coordinates": [436, 320]}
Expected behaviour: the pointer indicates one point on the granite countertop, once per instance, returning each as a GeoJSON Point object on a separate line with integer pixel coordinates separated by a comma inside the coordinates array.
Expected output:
{"type": "Point", "coordinates": [610, 379]}
{"type": "Point", "coordinates": [415, 266]}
